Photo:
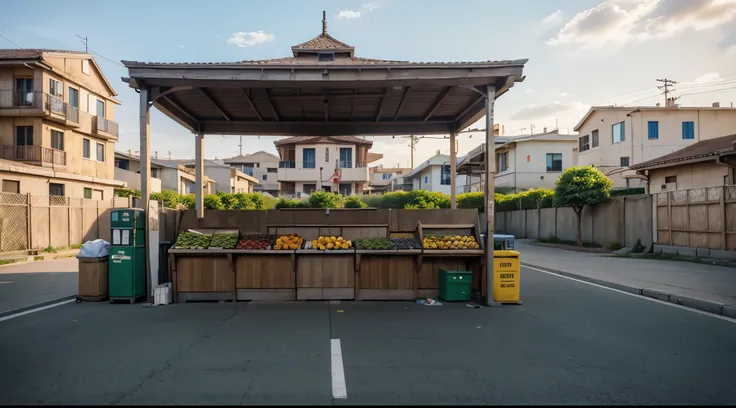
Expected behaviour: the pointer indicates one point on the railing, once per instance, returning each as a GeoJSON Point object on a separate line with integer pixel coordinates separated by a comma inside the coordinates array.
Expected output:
{"type": "Point", "coordinates": [72, 113]}
{"type": "Point", "coordinates": [345, 164]}
{"type": "Point", "coordinates": [107, 126]}
{"type": "Point", "coordinates": [54, 105]}
{"type": "Point", "coordinates": [38, 100]}
{"type": "Point", "coordinates": [37, 154]}
{"type": "Point", "coordinates": [287, 165]}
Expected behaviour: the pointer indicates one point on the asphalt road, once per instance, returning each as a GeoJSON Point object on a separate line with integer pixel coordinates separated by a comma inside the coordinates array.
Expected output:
{"type": "Point", "coordinates": [570, 343]}
{"type": "Point", "coordinates": [26, 284]}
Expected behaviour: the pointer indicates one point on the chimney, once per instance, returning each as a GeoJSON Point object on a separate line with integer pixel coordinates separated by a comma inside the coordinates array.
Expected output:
{"type": "Point", "coordinates": [716, 104]}
{"type": "Point", "coordinates": [324, 23]}
{"type": "Point", "coordinates": [437, 153]}
{"type": "Point", "coordinates": [544, 129]}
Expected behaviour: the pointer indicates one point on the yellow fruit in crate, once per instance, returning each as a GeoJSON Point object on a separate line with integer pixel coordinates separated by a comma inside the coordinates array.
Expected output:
{"type": "Point", "coordinates": [330, 245]}
{"type": "Point", "coordinates": [277, 246]}
{"type": "Point", "coordinates": [293, 246]}
{"type": "Point", "coordinates": [322, 248]}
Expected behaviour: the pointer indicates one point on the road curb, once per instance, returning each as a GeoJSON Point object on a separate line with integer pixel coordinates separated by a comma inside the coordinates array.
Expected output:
{"type": "Point", "coordinates": [690, 302]}
{"type": "Point", "coordinates": [42, 304]}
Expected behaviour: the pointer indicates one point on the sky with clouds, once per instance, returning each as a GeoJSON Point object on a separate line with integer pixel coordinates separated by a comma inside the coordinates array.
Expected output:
{"type": "Point", "coordinates": [581, 52]}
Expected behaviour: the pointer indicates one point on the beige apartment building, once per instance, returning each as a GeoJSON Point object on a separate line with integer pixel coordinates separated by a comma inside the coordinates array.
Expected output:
{"type": "Point", "coordinates": [615, 138]}
{"type": "Point", "coordinates": [380, 177]}
{"type": "Point", "coordinates": [261, 165]}
{"type": "Point", "coordinates": [57, 129]}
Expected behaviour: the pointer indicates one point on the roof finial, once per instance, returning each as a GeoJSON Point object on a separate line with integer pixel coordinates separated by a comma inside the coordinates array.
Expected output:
{"type": "Point", "coordinates": [324, 22]}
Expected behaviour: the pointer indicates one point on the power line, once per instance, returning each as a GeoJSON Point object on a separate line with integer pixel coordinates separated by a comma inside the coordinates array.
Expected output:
{"type": "Point", "coordinates": [710, 91]}
{"type": "Point", "coordinates": [8, 40]}
{"type": "Point", "coordinates": [666, 88]}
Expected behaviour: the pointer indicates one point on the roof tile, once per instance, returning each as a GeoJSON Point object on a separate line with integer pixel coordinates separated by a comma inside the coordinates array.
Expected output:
{"type": "Point", "coordinates": [26, 54]}
{"type": "Point", "coordinates": [704, 148]}
{"type": "Point", "coordinates": [322, 42]}
{"type": "Point", "coordinates": [322, 139]}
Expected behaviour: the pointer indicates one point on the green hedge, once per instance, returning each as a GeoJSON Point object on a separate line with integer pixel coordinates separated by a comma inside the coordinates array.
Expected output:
{"type": "Point", "coordinates": [627, 191]}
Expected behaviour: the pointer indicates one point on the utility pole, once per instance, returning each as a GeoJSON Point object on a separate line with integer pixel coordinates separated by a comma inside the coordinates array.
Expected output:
{"type": "Point", "coordinates": [414, 140]}
{"type": "Point", "coordinates": [84, 40]}
{"type": "Point", "coordinates": [667, 83]}
{"type": "Point", "coordinates": [241, 145]}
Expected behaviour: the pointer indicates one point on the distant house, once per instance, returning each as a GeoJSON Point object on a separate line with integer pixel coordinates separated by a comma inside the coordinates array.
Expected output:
{"type": "Point", "coordinates": [227, 179]}
{"type": "Point", "coordinates": [431, 175]}
{"type": "Point", "coordinates": [261, 165]}
{"type": "Point", "coordinates": [128, 170]}
{"type": "Point", "coordinates": [175, 176]}
{"type": "Point", "coordinates": [380, 177]}
{"type": "Point", "coordinates": [708, 163]}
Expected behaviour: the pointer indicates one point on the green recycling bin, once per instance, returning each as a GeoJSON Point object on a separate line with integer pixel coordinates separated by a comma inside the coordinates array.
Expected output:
{"type": "Point", "coordinates": [455, 286]}
{"type": "Point", "coordinates": [127, 261]}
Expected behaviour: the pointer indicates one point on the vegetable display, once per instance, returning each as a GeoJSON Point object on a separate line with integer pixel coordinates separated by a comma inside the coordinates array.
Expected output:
{"type": "Point", "coordinates": [374, 243]}
{"type": "Point", "coordinates": [406, 243]}
{"type": "Point", "coordinates": [328, 243]}
{"type": "Point", "coordinates": [291, 242]}
{"type": "Point", "coordinates": [224, 241]}
{"type": "Point", "coordinates": [192, 240]}
{"type": "Point", "coordinates": [450, 242]}
{"type": "Point", "coordinates": [256, 242]}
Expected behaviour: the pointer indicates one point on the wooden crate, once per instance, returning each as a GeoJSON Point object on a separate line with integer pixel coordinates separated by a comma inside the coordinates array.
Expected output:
{"type": "Point", "coordinates": [325, 275]}
{"type": "Point", "coordinates": [204, 275]}
{"type": "Point", "coordinates": [386, 275]}
{"type": "Point", "coordinates": [93, 279]}
{"type": "Point", "coordinates": [265, 275]}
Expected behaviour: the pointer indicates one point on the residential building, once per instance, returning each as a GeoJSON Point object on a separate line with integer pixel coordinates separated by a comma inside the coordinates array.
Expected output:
{"type": "Point", "coordinates": [57, 129]}
{"type": "Point", "coordinates": [128, 170]}
{"type": "Point", "coordinates": [615, 138]}
{"type": "Point", "coordinates": [329, 163]}
{"type": "Point", "coordinates": [707, 163]}
{"type": "Point", "coordinates": [380, 177]}
{"type": "Point", "coordinates": [175, 176]}
{"type": "Point", "coordinates": [227, 179]}
{"type": "Point", "coordinates": [261, 165]}
{"type": "Point", "coordinates": [534, 161]}
{"type": "Point", "coordinates": [433, 175]}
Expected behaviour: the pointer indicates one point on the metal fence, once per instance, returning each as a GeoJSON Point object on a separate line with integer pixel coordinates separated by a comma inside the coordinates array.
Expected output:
{"type": "Point", "coordinates": [33, 221]}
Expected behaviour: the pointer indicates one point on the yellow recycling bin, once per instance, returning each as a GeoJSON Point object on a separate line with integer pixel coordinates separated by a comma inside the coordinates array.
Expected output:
{"type": "Point", "coordinates": [506, 276]}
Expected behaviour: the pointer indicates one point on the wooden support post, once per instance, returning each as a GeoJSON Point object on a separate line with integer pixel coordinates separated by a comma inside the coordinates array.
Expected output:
{"type": "Point", "coordinates": [490, 186]}
{"type": "Point", "coordinates": [669, 217]}
{"type": "Point", "coordinates": [199, 175]}
{"type": "Point", "coordinates": [724, 219]}
{"type": "Point", "coordinates": [453, 171]}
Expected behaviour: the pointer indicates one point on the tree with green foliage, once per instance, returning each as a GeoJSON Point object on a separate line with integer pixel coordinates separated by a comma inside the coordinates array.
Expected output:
{"type": "Point", "coordinates": [580, 186]}
{"type": "Point", "coordinates": [354, 202]}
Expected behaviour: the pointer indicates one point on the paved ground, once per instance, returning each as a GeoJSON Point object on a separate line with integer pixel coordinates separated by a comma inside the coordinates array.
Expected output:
{"type": "Point", "coordinates": [570, 343]}
{"type": "Point", "coordinates": [30, 283]}
{"type": "Point", "coordinates": [700, 281]}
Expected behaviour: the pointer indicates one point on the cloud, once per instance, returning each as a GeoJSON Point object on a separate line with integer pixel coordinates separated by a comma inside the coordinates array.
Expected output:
{"type": "Point", "coordinates": [355, 14]}
{"type": "Point", "coordinates": [181, 46]}
{"type": "Point", "coordinates": [554, 17]}
{"type": "Point", "coordinates": [249, 39]}
{"type": "Point", "coordinates": [547, 110]}
{"type": "Point", "coordinates": [705, 78]}
{"type": "Point", "coordinates": [622, 21]}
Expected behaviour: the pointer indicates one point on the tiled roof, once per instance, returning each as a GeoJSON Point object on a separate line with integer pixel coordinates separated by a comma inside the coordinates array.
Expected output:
{"type": "Point", "coordinates": [322, 42]}
{"type": "Point", "coordinates": [703, 149]}
{"type": "Point", "coordinates": [26, 54]}
{"type": "Point", "coordinates": [310, 61]}
{"type": "Point", "coordinates": [322, 140]}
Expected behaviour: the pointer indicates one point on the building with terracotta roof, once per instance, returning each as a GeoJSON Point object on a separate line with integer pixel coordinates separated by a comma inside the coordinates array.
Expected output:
{"type": "Point", "coordinates": [613, 138]}
{"type": "Point", "coordinates": [57, 129]}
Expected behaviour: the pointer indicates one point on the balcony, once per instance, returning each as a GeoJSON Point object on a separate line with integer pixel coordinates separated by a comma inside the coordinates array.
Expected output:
{"type": "Point", "coordinates": [348, 173]}
{"type": "Point", "coordinates": [35, 103]}
{"type": "Point", "coordinates": [39, 155]}
{"type": "Point", "coordinates": [105, 127]}
{"type": "Point", "coordinates": [296, 171]}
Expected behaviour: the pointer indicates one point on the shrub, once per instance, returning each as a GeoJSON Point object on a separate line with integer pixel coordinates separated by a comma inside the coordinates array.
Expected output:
{"type": "Point", "coordinates": [354, 202]}
{"type": "Point", "coordinates": [290, 203]}
{"type": "Point", "coordinates": [213, 202]}
{"type": "Point", "coordinates": [170, 198]}
{"type": "Point", "coordinates": [427, 199]}
{"type": "Point", "coordinates": [627, 191]}
{"type": "Point", "coordinates": [187, 201]}
{"type": "Point", "coordinates": [396, 199]}
{"type": "Point", "coordinates": [372, 200]}
{"type": "Point", "coordinates": [470, 200]}
{"type": "Point", "coordinates": [127, 192]}
{"type": "Point", "coordinates": [323, 199]}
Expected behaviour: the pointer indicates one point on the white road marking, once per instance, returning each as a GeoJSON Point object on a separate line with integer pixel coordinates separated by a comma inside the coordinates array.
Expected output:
{"type": "Point", "coordinates": [38, 309]}
{"type": "Point", "coordinates": [726, 318]}
{"type": "Point", "coordinates": [339, 388]}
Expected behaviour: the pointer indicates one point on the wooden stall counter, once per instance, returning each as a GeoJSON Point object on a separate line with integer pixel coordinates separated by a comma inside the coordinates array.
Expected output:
{"type": "Point", "coordinates": [202, 274]}
{"type": "Point", "coordinates": [386, 274]}
{"type": "Point", "coordinates": [325, 275]}
{"type": "Point", "coordinates": [265, 274]}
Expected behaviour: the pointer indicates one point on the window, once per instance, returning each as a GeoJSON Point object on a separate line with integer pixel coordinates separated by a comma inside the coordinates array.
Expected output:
{"type": "Point", "coordinates": [445, 178]}
{"type": "Point", "coordinates": [86, 149]}
{"type": "Point", "coordinates": [122, 164]}
{"type": "Point", "coordinates": [100, 108]}
{"type": "Point", "coordinates": [327, 154]}
{"type": "Point", "coordinates": [264, 177]}
{"type": "Point", "coordinates": [554, 161]}
{"type": "Point", "coordinates": [502, 162]}
{"type": "Point", "coordinates": [618, 133]}
{"type": "Point", "coordinates": [670, 179]}
{"type": "Point", "coordinates": [56, 189]}
{"type": "Point", "coordinates": [426, 179]}
{"type": "Point", "coordinates": [688, 130]}
{"type": "Point", "coordinates": [653, 130]}
{"type": "Point", "coordinates": [594, 134]}
{"type": "Point", "coordinates": [346, 158]}
{"type": "Point", "coordinates": [85, 67]}
{"type": "Point", "coordinates": [326, 56]}
{"type": "Point", "coordinates": [100, 152]}
{"type": "Point", "coordinates": [24, 136]}
{"type": "Point", "coordinates": [57, 140]}
{"type": "Point", "coordinates": [154, 173]}
{"type": "Point", "coordinates": [23, 91]}
{"type": "Point", "coordinates": [88, 193]}
{"type": "Point", "coordinates": [308, 158]}
{"type": "Point", "coordinates": [387, 176]}
{"type": "Point", "coordinates": [584, 143]}
{"type": "Point", "coordinates": [345, 189]}
{"type": "Point", "coordinates": [74, 97]}
{"type": "Point", "coordinates": [10, 186]}
{"type": "Point", "coordinates": [624, 162]}
{"type": "Point", "coordinates": [56, 88]}
{"type": "Point", "coordinates": [309, 188]}
{"type": "Point", "coordinates": [271, 170]}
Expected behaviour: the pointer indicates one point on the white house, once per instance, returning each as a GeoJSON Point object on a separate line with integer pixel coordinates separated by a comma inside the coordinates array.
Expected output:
{"type": "Point", "coordinates": [331, 163]}
{"type": "Point", "coordinates": [128, 170]}
{"type": "Point", "coordinates": [534, 161]}
{"type": "Point", "coordinates": [431, 175]}
{"type": "Point", "coordinates": [261, 165]}
{"type": "Point", "coordinates": [615, 138]}
{"type": "Point", "coordinates": [380, 177]}
{"type": "Point", "coordinates": [227, 179]}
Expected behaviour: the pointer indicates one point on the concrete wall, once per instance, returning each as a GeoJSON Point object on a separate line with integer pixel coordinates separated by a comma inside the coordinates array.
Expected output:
{"type": "Point", "coordinates": [688, 176]}
{"type": "Point", "coordinates": [133, 180]}
{"type": "Point", "coordinates": [622, 220]}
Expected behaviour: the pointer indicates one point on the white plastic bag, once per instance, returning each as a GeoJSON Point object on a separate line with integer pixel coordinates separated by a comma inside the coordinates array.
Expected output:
{"type": "Point", "coordinates": [94, 249]}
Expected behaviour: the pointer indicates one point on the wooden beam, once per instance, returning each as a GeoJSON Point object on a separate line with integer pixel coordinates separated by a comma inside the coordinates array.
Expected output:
{"type": "Point", "coordinates": [268, 99]}
{"type": "Point", "coordinates": [438, 102]}
{"type": "Point", "coordinates": [383, 102]}
{"type": "Point", "coordinates": [175, 103]}
{"type": "Point", "coordinates": [301, 97]}
{"type": "Point", "coordinates": [326, 106]}
{"type": "Point", "coordinates": [321, 128]}
{"type": "Point", "coordinates": [252, 105]}
{"type": "Point", "coordinates": [401, 104]}
{"type": "Point", "coordinates": [301, 104]}
{"type": "Point", "coordinates": [352, 103]}
{"type": "Point", "coordinates": [212, 100]}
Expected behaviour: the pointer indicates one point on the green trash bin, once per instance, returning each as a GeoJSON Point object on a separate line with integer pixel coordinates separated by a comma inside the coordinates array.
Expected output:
{"type": "Point", "coordinates": [127, 267]}
{"type": "Point", "coordinates": [455, 286]}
